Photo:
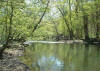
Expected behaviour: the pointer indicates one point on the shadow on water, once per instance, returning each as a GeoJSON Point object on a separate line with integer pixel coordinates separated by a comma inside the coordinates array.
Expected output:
{"type": "Point", "coordinates": [62, 57]}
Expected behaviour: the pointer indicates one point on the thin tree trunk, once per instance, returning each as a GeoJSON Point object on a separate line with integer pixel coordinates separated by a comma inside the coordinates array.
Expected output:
{"type": "Point", "coordinates": [85, 23]}
{"type": "Point", "coordinates": [70, 16]}
{"type": "Point", "coordinates": [97, 20]}
{"type": "Point", "coordinates": [76, 7]}
{"type": "Point", "coordinates": [85, 19]}
{"type": "Point", "coordinates": [35, 27]}
{"type": "Point", "coordinates": [55, 26]}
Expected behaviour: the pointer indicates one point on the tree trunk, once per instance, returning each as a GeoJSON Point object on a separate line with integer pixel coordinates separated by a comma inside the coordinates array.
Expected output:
{"type": "Point", "coordinates": [85, 22]}
{"type": "Point", "coordinates": [97, 20]}
{"type": "Point", "coordinates": [97, 31]}
{"type": "Point", "coordinates": [9, 34]}
{"type": "Point", "coordinates": [66, 22]}
{"type": "Point", "coordinates": [70, 17]}
{"type": "Point", "coordinates": [1, 51]}
{"type": "Point", "coordinates": [85, 19]}
{"type": "Point", "coordinates": [36, 26]}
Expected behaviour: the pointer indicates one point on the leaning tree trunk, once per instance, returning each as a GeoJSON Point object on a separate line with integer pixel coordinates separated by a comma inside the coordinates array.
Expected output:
{"type": "Point", "coordinates": [70, 30]}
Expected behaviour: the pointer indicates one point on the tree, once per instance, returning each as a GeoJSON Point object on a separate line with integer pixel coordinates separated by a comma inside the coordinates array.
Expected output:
{"type": "Point", "coordinates": [8, 25]}
{"type": "Point", "coordinates": [85, 22]}
{"type": "Point", "coordinates": [97, 4]}
{"type": "Point", "coordinates": [10, 29]}
{"type": "Point", "coordinates": [35, 27]}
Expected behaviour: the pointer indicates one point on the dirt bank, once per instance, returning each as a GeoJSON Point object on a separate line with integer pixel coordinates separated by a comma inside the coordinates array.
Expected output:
{"type": "Point", "coordinates": [10, 61]}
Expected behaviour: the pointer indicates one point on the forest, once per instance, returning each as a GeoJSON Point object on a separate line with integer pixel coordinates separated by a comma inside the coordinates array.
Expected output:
{"type": "Point", "coordinates": [48, 20]}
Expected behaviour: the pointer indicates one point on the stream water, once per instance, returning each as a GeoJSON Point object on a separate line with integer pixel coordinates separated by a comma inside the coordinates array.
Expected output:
{"type": "Point", "coordinates": [62, 57]}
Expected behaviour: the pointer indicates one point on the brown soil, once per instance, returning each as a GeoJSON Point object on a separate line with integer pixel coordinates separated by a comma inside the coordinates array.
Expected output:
{"type": "Point", "coordinates": [10, 61]}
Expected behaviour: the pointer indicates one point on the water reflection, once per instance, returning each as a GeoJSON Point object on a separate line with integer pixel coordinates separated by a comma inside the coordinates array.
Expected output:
{"type": "Point", "coordinates": [62, 57]}
{"type": "Point", "coordinates": [50, 64]}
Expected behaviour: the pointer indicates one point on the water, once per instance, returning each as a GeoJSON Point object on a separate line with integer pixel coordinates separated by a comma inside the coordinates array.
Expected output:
{"type": "Point", "coordinates": [62, 57]}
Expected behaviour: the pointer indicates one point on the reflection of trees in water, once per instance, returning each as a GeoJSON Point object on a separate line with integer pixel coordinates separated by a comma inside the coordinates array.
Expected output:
{"type": "Point", "coordinates": [49, 63]}
{"type": "Point", "coordinates": [33, 46]}
{"type": "Point", "coordinates": [98, 50]}
{"type": "Point", "coordinates": [85, 60]}
{"type": "Point", "coordinates": [72, 57]}
{"type": "Point", "coordinates": [91, 58]}
{"type": "Point", "coordinates": [67, 59]}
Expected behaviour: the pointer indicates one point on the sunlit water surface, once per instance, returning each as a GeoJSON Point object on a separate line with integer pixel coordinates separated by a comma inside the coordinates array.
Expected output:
{"type": "Point", "coordinates": [62, 57]}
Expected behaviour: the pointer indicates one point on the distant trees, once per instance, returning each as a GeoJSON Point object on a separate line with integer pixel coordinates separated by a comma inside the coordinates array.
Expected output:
{"type": "Point", "coordinates": [74, 17]}
{"type": "Point", "coordinates": [79, 13]}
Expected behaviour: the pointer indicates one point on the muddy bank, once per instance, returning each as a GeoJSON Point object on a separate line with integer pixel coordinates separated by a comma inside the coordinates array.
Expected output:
{"type": "Point", "coordinates": [10, 61]}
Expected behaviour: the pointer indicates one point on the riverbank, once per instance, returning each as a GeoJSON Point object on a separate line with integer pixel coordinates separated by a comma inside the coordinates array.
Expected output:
{"type": "Point", "coordinates": [63, 41]}
{"type": "Point", "coordinates": [10, 61]}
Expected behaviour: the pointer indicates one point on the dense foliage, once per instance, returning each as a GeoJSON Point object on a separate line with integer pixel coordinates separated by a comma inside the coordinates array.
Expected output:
{"type": "Point", "coordinates": [49, 19]}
